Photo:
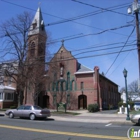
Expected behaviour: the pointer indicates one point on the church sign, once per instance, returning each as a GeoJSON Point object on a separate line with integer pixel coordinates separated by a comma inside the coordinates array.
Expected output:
{"type": "Point", "coordinates": [61, 107]}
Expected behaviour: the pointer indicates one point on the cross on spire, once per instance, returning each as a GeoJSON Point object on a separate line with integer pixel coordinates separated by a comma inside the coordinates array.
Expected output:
{"type": "Point", "coordinates": [62, 42]}
{"type": "Point", "coordinates": [39, 3]}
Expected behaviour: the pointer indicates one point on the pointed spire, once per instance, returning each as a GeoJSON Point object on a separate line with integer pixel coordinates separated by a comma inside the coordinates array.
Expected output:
{"type": "Point", "coordinates": [37, 25]}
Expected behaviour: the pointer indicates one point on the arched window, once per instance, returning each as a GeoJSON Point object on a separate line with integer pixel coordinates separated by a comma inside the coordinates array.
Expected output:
{"type": "Point", "coordinates": [32, 49]}
{"type": "Point", "coordinates": [68, 80]}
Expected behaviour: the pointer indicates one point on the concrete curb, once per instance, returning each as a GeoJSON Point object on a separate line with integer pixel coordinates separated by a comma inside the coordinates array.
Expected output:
{"type": "Point", "coordinates": [87, 120]}
{"type": "Point", "coordinates": [88, 117]}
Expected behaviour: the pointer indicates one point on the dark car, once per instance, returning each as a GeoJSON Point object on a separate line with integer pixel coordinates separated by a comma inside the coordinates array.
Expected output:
{"type": "Point", "coordinates": [28, 111]}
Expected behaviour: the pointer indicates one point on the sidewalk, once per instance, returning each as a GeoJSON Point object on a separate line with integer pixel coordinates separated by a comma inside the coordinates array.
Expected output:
{"type": "Point", "coordinates": [98, 117]}
{"type": "Point", "coordinates": [108, 116]}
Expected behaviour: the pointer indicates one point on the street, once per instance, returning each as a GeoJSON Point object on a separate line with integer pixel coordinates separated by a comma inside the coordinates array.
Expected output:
{"type": "Point", "coordinates": [25, 129]}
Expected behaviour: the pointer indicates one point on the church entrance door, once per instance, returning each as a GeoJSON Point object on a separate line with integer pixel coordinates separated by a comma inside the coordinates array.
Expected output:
{"type": "Point", "coordinates": [82, 102]}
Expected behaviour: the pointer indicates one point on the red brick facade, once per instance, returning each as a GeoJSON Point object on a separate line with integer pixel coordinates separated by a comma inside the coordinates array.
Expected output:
{"type": "Point", "coordinates": [66, 80]}
{"type": "Point", "coordinates": [78, 87]}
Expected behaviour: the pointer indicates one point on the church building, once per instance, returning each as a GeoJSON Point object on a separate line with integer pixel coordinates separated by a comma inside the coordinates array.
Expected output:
{"type": "Point", "coordinates": [66, 81]}
{"type": "Point", "coordinates": [78, 86]}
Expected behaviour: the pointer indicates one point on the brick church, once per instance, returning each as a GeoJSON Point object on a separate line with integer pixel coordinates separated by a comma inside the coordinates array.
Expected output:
{"type": "Point", "coordinates": [66, 80]}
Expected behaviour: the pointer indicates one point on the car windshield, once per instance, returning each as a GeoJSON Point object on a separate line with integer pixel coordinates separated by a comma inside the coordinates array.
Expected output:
{"type": "Point", "coordinates": [37, 107]}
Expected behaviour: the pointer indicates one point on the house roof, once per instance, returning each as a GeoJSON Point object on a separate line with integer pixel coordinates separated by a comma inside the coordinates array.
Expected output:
{"type": "Point", "coordinates": [7, 89]}
{"type": "Point", "coordinates": [83, 69]}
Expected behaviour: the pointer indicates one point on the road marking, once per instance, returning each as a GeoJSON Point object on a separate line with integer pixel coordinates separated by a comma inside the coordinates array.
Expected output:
{"type": "Point", "coordinates": [64, 133]}
{"type": "Point", "coordinates": [108, 124]}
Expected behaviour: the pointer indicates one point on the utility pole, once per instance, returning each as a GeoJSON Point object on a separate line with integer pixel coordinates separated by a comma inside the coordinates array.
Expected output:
{"type": "Point", "coordinates": [135, 8]}
{"type": "Point", "coordinates": [138, 39]}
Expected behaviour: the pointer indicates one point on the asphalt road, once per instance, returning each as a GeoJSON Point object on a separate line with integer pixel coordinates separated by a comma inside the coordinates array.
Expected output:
{"type": "Point", "coordinates": [25, 129]}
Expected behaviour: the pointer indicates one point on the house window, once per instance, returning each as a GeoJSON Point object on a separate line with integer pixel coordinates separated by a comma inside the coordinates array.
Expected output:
{"type": "Point", "coordinates": [9, 96]}
{"type": "Point", "coordinates": [1, 96]}
{"type": "Point", "coordinates": [82, 85]}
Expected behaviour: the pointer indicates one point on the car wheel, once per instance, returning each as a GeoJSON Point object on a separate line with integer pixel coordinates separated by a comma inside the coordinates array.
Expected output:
{"type": "Point", "coordinates": [11, 115]}
{"type": "Point", "coordinates": [32, 116]}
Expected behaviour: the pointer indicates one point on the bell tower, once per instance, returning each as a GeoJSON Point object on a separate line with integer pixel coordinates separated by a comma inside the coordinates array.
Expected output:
{"type": "Point", "coordinates": [35, 60]}
{"type": "Point", "coordinates": [37, 38]}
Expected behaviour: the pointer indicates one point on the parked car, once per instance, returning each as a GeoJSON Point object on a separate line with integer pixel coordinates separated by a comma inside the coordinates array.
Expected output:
{"type": "Point", "coordinates": [28, 111]}
{"type": "Point", "coordinates": [135, 118]}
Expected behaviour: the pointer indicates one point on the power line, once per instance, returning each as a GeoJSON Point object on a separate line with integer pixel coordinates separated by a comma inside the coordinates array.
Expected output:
{"type": "Point", "coordinates": [119, 63]}
{"type": "Point", "coordinates": [103, 49]}
{"type": "Point", "coordinates": [106, 9]}
{"type": "Point", "coordinates": [97, 55]}
{"type": "Point", "coordinates": [109, 53]}
{"type": "Point", "coordinates": [120, 50]}
{"type": "Point", "coordinates": [98, 45]}
{"type": "Point", "coordinates": [65, 20]}
{"type": "Point", "coordinates": [84, 35]}
{"type": "Point", "coordinates": [127, 25]}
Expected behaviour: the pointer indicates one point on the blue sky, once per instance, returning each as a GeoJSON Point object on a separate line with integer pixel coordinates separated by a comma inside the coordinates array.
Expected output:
{"type": "Point", "coordinates": [95, 49]}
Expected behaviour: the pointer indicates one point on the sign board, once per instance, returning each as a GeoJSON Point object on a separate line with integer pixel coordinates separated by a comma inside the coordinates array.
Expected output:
{"type": "Point", "coordinates": [61, 107]}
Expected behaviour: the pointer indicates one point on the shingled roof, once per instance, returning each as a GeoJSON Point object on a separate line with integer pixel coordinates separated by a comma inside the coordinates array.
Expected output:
{"type": "Point", "coordinates": [83, 69]}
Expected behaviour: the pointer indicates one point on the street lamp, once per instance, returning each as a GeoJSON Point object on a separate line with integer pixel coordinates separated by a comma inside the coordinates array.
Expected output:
{"type": "Point", "coordinates": [125, 76]}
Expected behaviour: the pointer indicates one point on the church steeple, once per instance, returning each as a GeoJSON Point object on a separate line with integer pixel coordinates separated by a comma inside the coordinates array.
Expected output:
{"type": "Point", "coordinates": [37, 37]}
{"type": "Point", "coordinates": [37, 26]}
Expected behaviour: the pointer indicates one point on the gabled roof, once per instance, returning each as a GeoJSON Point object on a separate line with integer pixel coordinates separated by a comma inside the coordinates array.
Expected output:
{"type": "Point", "coordinates": [7, 89]}
{"type": "Point", "coordinates": [37, 25]}
{"type": "Point", "coordinates": [63, 49]}
{"type": "Point", "coordinates": [83, 69]}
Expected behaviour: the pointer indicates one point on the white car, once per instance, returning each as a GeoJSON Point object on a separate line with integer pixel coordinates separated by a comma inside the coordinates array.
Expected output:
{"type": "Point", "coordinates": [28, 111]}
{"type": "Point", "coordinates": [135, 118]}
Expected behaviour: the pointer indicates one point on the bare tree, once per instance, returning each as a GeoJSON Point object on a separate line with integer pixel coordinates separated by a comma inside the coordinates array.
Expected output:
{"type": "Point", "coordinates": [122, 89]}
{"type": "Point", "coordinates": [133, 87]}
{"type": "Point", "coordinates": [15, 43]}
{"type": "Point", "coordinates": [36, 79]}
